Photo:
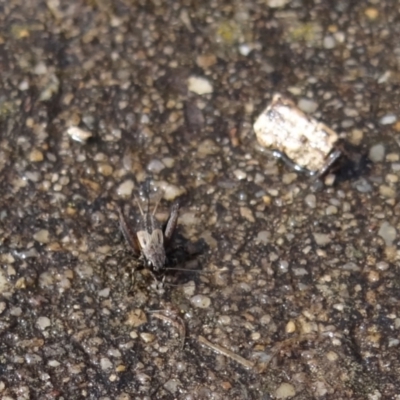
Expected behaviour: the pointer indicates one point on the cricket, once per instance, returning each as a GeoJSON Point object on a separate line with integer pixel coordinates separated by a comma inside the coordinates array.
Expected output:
{"type": "Point", "coordinates": [149, 240]}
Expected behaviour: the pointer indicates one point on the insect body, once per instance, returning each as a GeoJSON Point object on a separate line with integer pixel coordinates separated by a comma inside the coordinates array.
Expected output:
{"type": "Point", "coordinates": [149, 240]}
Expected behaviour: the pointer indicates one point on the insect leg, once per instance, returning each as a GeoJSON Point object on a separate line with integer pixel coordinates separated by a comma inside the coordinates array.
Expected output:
{"type": "Point", "coordinates": [171, 224]}
{"type": "Point", "coordinates": [291, 164]}
{"type": "Point", "coordinates": [129, 236]}
{"type": "Point", "coordinates": [332, 157]}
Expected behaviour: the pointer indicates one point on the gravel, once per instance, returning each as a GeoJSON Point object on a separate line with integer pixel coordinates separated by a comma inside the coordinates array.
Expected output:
{"type": "Point", "coordinates": [294, 291]}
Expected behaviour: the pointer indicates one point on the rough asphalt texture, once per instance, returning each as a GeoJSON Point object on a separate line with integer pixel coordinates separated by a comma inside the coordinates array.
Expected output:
{"type": "Point", "coordinates": [303, 285]}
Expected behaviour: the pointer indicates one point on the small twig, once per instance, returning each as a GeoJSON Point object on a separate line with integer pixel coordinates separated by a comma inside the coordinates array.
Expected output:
{"type": "Point", "coordinates": [221, 350]}
{"type": "Point", "coordinates": [164, 315]}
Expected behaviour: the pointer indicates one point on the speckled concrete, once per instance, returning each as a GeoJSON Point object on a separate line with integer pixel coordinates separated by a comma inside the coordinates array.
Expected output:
{"type": "Point", "coordinates": [298, 294]}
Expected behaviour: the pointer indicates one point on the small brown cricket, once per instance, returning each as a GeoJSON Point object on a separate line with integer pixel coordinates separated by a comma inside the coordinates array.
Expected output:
{"type": "Point", "coordinates": [148, 242]}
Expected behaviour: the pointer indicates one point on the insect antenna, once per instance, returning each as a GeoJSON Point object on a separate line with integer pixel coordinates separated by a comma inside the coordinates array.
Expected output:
{"type": "Point", "coordinates": [200, 271]}
{"type": "Point", "coordinates": [139, 205]}
{"type": "Point", "coordinates": [159, 197]}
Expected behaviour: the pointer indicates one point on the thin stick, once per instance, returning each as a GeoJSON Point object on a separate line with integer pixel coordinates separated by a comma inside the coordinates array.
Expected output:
{"type": "Point", "coordinates": [180, 327]}
{"type": "Point", "coordinates": [227, 353]}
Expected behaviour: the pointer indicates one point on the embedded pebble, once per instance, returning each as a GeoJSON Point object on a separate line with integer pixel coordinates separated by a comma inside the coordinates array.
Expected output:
{"type": "Point", "coordinates": [377, 153]}
{"type": "Point", "coordinates": [263, 237]}
{"type": "Point", "coordinates": [373, 276]}
{"type": "Point", "coordinates": [239, 174]}
{"type": "Point", "coordinates": [382, 265]}
{"type": "Point", "coordinates": [104, 293]}
{"type": "Point", "coordinates": [43, 322]}
{"type": "Point", "coordinates": [321, 239]}
{"type": "Point", "coordinates": [388, 233]}
{"type": "Point", "coordinates": [78, 134]}
{"type": "Point", "coordinates": [207, 147]}
{"type": "Point", "coordinates": [391, 178]}
{"type": "Point", "coordinates": [2, 306]}
{"type": "Point", "coordinates": [329, 42]}
{"type": "Point", "coordinates": [387, 191]}
{"type": "Point", "coordinates": [307, 105]}
{"type": "Point", "coordinates": [245, 212]}
{"type": "Point", "coordinates": [33, 176]}
{"type": "Point", "coordinates": [36, 156]}
{"type": "Point", "coordinates": [155, 166]}
{"type": "Point", "coordinates": [16, 311]}
{"type": "Point", "coordinates": [277, 3]}
{"type": "Point", "coordinates": [362, 185]}
{"type": "Point", "coordinates": [245, 49]}
{"type": "Point", "coordinates": [388, 119]}
{"type": "Point", "coordinates": [290, 327]}
{"type": "Point", "coordinates": [201, 301]}
{"type": "Point", "coordinates": [351, 266]}
{"type": "Point", "coordinates": [392, 157]}
{"type": "Point", "coordinates": [331, 210]}
{"type": "Point", "coordinates": [172, 386]}
{"type": "Point", "coordinates": [283, 265]}
{"type": "Point", "coordinates": [311, 200]}
{"type": "Point", "coordinates": [168, 162]}
{"type": "Point", "coordinates": [105, 363]}
{"type": "Point", "coordinates": [125, 188]}
{"type": "Point", "coordinates": [199, 85]}
{"type": "Point", "coordinates": [147, 337]}
{"type": "Point", "coordinates": [284, 391]}
{"type": "Point", "coordinates": [288, 178]}
{"type": "Point", "coordinates": [206, 60]}
{"type": "Point", "coordinates": [171, 192]}
{"type": "Point", "coordinates": [105, 169]}
{"type": "Point", "coordinates": [42, 236]}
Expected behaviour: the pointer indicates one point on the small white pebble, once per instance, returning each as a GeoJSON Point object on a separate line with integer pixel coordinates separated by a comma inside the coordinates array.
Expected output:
{"type": "Point", "coordinates": [285, 391]}
{"type": "Point", "coordinates": [329, 42]}
{"type": "Point", "coordinates": [311, 200]}
{"type": "Point", "coordinates": [168, 162]}
{"type": "Point", "coordinates": [387, 191]}
{"type": "Point", "coordinates": [332, 356]}
{"type": "Point", "coordinates": [42, 236]}
{"type": "Point", "coordinates": [245, 49]}
{"type": "Point", "coordinates": [263, 237]}
{"type": "Point", "coordinates": [290, 327]}
{"type": "Point", "coordinates": [155, 166]}
{"type": "Point", "coordinates": [125, 188]}
{"type": "Point", "coordinates": [288, 178]}
{"type": "Point", "coordinates": [201, 301]}
{"type": "Point", "coordinates": [321, 239]}
{"type": "Point", "coordinates": [307, 105]}
{"type": "Point", "coordinates": [199, 85]}
{"type": "Point", "coordinates": [382, 265]}
{"type": "Point", "coordinates": [239, 174]}
{"type": "Point", "coordinates": [351, 266]}
{"type": "Point", "coordinates": [105, 292]}
{"type": "Point", "coordinates": [147, 337]}
{"type": "Point", "coordinates": [171, 192]}
{"type": "Point", "coordinates": [36, 156]}
{"type": "Point", "coordinates": [78, 134]}
{"type": "Point", "coordinates": [377, 153]}
{"type": "Point", "coordinates": [388, 119]}
{"type": "Point", "coordinates": [105, 363]}
{"type": "Point", "coordinates": [40, 68]}
{"type": "Point", "coordinates": [331, 210]}
{"type": "Point", "coordinates": [43, 322]}
{"type": "Point", "coordinates": [388, 233]}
